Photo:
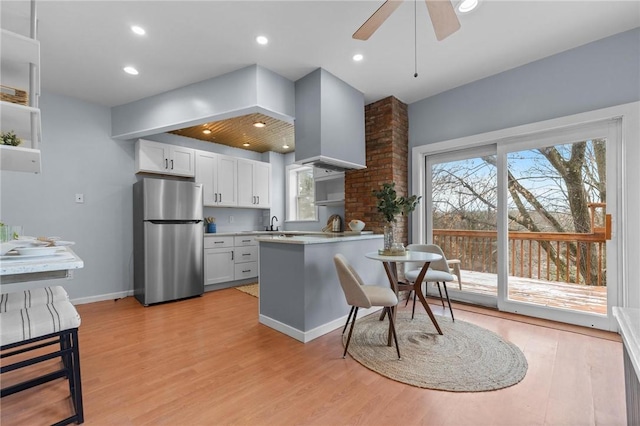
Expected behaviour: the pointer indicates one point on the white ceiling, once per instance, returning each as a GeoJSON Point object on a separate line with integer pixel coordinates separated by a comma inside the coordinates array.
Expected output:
{"type": "Point", "coordinates": [85, 44]}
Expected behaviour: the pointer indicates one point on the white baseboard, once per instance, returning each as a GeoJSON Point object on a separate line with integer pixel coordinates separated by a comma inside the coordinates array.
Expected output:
{"type": "Point", "coordinates": [102, 297]}
{"type": "Point", "coordinates": [307, 336]}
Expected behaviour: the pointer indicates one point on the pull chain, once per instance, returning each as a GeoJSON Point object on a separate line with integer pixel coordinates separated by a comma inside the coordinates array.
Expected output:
{"type": "Point", "coordinates": [415, 37]}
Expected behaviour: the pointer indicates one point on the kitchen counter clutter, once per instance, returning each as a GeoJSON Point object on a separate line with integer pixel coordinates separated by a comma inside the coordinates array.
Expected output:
{"type": "Point", "coordinates": [629, 322]}
{"type": "Point", "coordinates": [14, 268]}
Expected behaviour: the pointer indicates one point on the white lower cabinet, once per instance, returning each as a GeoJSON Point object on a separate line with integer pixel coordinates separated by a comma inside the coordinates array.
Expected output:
{"type": "Point", "coordinates": [230, 258]}
{"type": "Point", "coordinates": [218, 260]}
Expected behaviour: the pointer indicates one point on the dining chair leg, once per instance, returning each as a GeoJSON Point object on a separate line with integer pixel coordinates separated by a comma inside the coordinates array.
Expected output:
{"type": "Point", "coordinates": [409, 297]}
{"type": "Point", "coordinates": [448, 301]}
{"type": "Point", "coordinates": [355, 314]}
{"type": "Point", "coordinates": [348, 318]}
{"type": "Point", "coordinates": [440, 291]}
{"type": "Point", "coordinates": [393, 331]}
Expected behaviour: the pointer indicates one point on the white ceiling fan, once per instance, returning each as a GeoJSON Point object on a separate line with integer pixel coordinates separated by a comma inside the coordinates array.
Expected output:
{"type": "Point", "coordinates": [443, 18]}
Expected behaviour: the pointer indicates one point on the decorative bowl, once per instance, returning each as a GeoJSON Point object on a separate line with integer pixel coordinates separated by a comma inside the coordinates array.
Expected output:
{"type": "Point", "coordinates": [356, 225]}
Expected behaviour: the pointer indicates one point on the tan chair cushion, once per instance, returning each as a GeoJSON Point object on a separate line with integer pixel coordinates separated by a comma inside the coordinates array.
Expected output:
{"type": "Point", "coordinates": [380, 296]}
{"type": "Point", "coordinates": [430, 276]}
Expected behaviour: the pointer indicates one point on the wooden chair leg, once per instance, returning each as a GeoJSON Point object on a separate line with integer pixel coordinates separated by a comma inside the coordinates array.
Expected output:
{"type": "Point", "coordinates": [355, 314]}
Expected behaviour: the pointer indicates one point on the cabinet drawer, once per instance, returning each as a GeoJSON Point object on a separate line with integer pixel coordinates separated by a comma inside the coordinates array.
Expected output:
{"type": "Point", "coordinates": [248, 240]}
{"type": "Point", "coordinates": [218, 242]}
{"type": "Point", "coordinates": [245, 254]}
{"type": "Point", "coordinates": [246, 270]}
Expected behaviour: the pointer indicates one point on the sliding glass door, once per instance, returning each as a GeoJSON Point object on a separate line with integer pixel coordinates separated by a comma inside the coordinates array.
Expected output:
{"type": "Point", "coordinates": [527, 221]}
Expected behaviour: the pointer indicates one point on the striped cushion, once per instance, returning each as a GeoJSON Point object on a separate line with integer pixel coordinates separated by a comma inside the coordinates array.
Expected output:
{"type": "Point", "coordinates": [24, 324]}
{"type": "Point", "coordinates": [30, 298]}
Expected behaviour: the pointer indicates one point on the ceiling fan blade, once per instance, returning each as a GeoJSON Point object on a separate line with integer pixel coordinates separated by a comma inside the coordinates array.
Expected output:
{"type": "Point", "coordinates": [375, 20]}
{"type": "Point", "coordinates": [443, 18]}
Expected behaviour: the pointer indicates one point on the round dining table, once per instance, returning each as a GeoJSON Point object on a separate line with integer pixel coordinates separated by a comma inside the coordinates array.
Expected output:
{"type": "Point", "coordinates": [390, 263]}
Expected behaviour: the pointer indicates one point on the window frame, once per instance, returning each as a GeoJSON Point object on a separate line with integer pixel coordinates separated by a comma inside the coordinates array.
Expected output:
{"type": "Point", "coordinates": [291, 198]}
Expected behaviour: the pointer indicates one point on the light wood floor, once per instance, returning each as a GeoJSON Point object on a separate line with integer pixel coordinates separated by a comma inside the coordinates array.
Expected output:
{"type": "Point", "coordinates": [207, 361]}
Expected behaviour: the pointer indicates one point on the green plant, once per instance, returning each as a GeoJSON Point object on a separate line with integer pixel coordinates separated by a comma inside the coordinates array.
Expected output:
{"type": "Point", "coordinates": [10, 138]}
{"type": "Point", "coordinates": [391, 205]}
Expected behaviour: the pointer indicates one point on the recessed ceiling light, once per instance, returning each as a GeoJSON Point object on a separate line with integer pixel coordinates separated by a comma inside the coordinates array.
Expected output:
{"type": "Point", "coordinates": [358, 57]}
{"type": "Point", "coordinates": [285, 146]}
{"type": "Point", "coordinates": [260, 124]}
{"type": "Point", "coordinates": [262, 40]}
{"type": "Point", "coordinates": [466, 6]}
{"type": "Point", "coordinates": [138, 30]}
{"type": "Point", "coordinates": [246, 144]}
{"type": "Point", "coordinates": [131, 70]}
{"type": "Point", "coordinates": [206, 131]}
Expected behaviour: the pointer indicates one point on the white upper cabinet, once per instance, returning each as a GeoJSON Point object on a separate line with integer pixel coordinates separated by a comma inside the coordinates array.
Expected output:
{"type": "Point", "coordinates": [218, 176]}
{"type": "Point", "coordinates": [254, 179]}
{"type": "Point", "coordinates": [155, 157]}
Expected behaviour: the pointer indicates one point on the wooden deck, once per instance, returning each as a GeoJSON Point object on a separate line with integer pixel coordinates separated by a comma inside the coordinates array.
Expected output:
{"type": "Point", "coordinates": [555, 294]}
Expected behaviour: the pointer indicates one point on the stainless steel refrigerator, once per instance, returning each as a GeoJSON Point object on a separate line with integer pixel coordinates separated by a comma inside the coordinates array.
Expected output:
{"type": "Point", "coordinates": [167, 240]}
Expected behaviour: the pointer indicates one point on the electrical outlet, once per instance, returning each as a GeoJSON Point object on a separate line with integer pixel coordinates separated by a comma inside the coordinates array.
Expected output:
{"type": "Point", "coordinates": [79, 198]}
{"type": "Point", "coordinates": [231, 219]}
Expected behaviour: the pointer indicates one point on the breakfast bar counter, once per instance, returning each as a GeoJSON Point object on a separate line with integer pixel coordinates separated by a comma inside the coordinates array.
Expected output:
{"type": "Point", "coordinates": [300, 295]}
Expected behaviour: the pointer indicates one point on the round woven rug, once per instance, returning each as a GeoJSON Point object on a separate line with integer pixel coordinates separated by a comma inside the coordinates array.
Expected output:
{"type": "Point", "coordinates": [466, 358]}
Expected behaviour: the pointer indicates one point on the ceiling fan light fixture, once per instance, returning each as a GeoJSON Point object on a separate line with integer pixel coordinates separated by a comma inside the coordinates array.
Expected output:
{"type": "Point", "coordinates": [466, 6]}
{"type": "Point", "coordinates": [260, 124]}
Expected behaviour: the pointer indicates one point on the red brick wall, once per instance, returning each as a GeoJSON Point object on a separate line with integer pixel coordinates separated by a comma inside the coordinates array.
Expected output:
{"type": "Point", "coordinates": [387, 142]}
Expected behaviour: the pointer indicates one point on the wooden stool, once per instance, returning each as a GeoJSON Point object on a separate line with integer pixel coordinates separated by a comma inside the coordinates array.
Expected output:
{"type": "Point", "coordinates": [455, 265]}
{"type": "Point", "coordinates": [53, 324]}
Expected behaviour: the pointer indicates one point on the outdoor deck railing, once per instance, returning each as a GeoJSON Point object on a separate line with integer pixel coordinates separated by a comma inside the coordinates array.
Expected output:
{"type": "Point", "coordinates": [551, 256]}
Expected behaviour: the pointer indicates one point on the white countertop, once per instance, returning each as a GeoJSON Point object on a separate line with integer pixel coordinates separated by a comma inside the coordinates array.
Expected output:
{"type": "Point", "coordinates": [317, 238]}
{"type": "Point", "coordinates": [64, 259]}
{"type": "Point", "coordinates": [629, 321]}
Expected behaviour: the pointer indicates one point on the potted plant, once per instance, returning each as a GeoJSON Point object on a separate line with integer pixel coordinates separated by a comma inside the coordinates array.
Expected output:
{"type": "Point", "coordinates": [391, 205]}
{"type": "Point", "coordinates": [10, 138]}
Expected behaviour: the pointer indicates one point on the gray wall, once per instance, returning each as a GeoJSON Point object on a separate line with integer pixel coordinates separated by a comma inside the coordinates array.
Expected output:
{"type": "Point", "coordinates": [601, 74]}
{"type": "Point", "coordinates": [597, 75]}
{"type": "Point", "coordinates": [78, 156]}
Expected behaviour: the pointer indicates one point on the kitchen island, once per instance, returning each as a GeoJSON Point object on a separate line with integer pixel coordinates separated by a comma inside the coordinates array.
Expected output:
{"type": "Point", "coordinates": [300, 294]}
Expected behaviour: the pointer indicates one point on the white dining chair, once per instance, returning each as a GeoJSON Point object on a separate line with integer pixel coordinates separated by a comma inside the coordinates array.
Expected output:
{"type": "Point", "coordinates": [359, 295]}
{"type": "Point", "coordinates": [437, 273]}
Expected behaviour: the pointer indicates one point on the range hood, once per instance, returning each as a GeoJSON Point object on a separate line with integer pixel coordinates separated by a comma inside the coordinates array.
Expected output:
{"type": "Point", "coordinates": [329, 123]}
{"type": "Point", "coordinates": [330, 164]}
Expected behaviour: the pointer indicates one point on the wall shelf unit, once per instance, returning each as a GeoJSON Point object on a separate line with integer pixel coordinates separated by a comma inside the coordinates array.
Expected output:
{"type": "Point", "coordinates": [20, 65]}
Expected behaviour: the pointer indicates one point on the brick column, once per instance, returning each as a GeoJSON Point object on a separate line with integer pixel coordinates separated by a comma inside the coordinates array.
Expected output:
{"type": "Point", "coordinates": [387, 142]}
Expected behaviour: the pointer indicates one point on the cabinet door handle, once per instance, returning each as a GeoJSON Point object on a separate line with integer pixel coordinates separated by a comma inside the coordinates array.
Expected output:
{"type": "Point", "coordinates": [218, 242]}
{"type": "Point", "coordinates": [246, 270]}
{"type": "Point", "coordinates": [246, 241]}
{"type": "Point", "coordinates": [171, 164]}
{"type": "Point", "coordinates": [258, 197]}
{"type": "Point", "coordinates": [215, 197]}
{"type": "Point", "coordinates": [220, 194]}
{"type": "Point", "coordinates": [231, 254]}
{"type": "Point", "coordinates": [166, 163]}
{"type": "Point", "coordinates": [246, 254]}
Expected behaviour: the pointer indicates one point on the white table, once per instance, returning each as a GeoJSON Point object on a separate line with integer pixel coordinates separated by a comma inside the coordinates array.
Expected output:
{"type": "Point", "coordinates": [391, 268]}
{"type": "Point", "coordinates": [21, 269]}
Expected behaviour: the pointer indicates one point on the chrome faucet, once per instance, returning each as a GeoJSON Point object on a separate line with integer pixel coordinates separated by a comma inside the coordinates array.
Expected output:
{"type": "Point", "coordinates": [277, 227]}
